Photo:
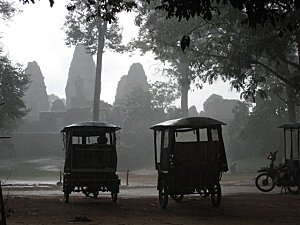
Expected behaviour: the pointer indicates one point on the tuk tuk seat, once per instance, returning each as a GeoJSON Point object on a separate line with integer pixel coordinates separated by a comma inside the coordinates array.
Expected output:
{"type": "Point", "coordinates": [196, 163]}
{"type": "Point", "coordinates": [198, 153]}
{"type": "Point", "coordinates": [99, 157]}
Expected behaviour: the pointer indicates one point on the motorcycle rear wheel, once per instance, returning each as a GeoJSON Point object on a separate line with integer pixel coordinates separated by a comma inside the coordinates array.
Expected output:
{"type": "Point", "coordinates": [293, 189]}
{"type": "Point", "coordinates": [293, 186]}
{"type": "Point", "coordinates": [264, 182]}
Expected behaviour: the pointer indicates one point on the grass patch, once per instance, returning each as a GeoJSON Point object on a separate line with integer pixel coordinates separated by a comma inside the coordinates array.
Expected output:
{"type": "Point", "coordinates": [28, 171]}
{"type": "Point", "coordinates": [250, 165]}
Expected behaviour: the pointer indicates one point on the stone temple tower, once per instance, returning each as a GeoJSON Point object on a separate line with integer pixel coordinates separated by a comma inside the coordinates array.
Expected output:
{"type": "Point", "coordinates": [36, 98]}
{"type": "Point", "coordinates": [136, 77]}
{"type": "Point", "coordinates": [80, 85]}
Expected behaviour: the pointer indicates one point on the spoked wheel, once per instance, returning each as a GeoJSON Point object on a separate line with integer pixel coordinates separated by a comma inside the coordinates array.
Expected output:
{"type": "Point", "coordinates": [293, 186]}
{"type": "Point", "coordinates": [163, 197]}
{"type": "Point", "coordinates": [177, 198]}
{"type": "Point", "coordinates": [66, 191]}
{"type": "Point", "coordinates": [114, 196]}
{"type": "Point", "coordinates": [264, 182]}
{"type": "Point", "coordinates": [204, 192]}
{"type": "Point", "coordinates": [216, 195]}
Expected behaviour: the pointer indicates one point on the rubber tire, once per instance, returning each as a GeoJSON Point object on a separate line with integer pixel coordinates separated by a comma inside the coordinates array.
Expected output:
{"type": "Point", "coordinates": [292, 190]}
{"type": "Point", "coordinates": [216, 195]}
{"type": "Point", "coordinates": [114, 196]}
{"type": "Point", "coordinates": [66, 197]}
{"type": "Point", "coordinates": [177, 198]}
{"type": "Point", "coordinates": [291, 187]}
{"type": "Point", "coordinates": [163, 197]}
{"type": "Point", "coordinates": [95, 194]}
{"type": "Point", "coordinates": [258, 185]}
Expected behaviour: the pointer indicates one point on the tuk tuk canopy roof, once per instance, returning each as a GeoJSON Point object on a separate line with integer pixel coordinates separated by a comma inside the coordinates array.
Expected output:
{"type": "Point", "coordinates": [90, 128]}
{"type": "Point", "coordinates": [294, 125]}
{"type": "Point", "coordinates": [188, 122]}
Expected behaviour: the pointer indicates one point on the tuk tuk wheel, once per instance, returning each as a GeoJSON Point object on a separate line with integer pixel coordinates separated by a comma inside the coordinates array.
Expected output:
{"type": "Point", "coordinates": [163, 197]}
{"type": "Point", "coordinates": [66, 191]}
{"type": "Point", "coordinates": [95, 194]}
{"type": "Point", "coordinates": [114, 196]}
{"type": "Point", "coordinates": [216, 195]}
{"type": "Point", "coordinates": [66, 197]}
{"type": "Point", "coordinates": [177, 198]}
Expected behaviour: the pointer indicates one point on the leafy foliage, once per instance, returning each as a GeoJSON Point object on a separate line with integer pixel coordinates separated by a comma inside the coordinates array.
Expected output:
{"type": "Point", "coordinates": [256, 133]}
{"type": "Point", "coordinates": [13, 83]}
{"type": "Point", "coordinates": [33, 1]}
{"type": "Point", "coordinates": [107, 10]}
{"type": "Point", "coordinates": [164, 95]}
{"type": "Point", "coordinates": [162, 38]}
{"type": "Point", "coordinates": [135, 116]}
{"type": "Point", "coordinates": [282, 14]}
{"type": "Point", "coordinates": [7, 10]}
{"type": "Point", "coordinates": [79, 29]}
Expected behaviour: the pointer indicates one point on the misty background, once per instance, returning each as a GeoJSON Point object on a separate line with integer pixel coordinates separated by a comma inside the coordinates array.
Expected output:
{"type": "Point", "coordinates": [140, 87]}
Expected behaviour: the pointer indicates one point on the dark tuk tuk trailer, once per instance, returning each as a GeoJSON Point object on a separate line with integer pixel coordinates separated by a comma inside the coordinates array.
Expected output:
{"type": "Point", "coordinates": [90, 159]}
{"type": "Point", "coordinates": [190, 158]}
{"type": "Point", "coordinates": [291, 135]}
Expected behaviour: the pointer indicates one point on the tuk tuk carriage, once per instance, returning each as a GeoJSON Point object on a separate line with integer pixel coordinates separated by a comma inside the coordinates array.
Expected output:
{"type": "Point", "coordinates": [90, 159]}
{"type": "Point", "coordinates": [291, 134]}
{"type": "Point", "coordinates": [190, 158]}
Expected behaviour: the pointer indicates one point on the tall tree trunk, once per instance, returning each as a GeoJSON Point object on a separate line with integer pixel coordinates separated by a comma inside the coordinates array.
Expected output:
{"type": "Point", "coordinates": [185, 87]}
{"type": "Point", "coordinates": [102, 27]}
{"type": "Point", "coordinates": [291, 104]}
{"type": "Point", "coordinates": [290, 93]}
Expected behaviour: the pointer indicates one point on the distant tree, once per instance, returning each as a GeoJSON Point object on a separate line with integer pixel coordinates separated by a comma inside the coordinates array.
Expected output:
{"type": "Point", "coordinates": [247, 58]}
{"type": "Point", "coordinates": [137, 113]}
{"type": "Point", "coordinates": [162, 38]}
{"type": "Point", "coordinates": [13, 83]}
{"type": "Point", "coordinates": [95, 34]}
{"type": "Point", "coordinates": [52, 97]}
{"type": "Point", "coordinates": [256, 133]}
{"type": "Point", "coordinates": [164, 95]}
{"type": "Point", "coordinates": [136, 141]}
{"type": "Point", "coordinates": [138, 107]}
{"type": "Point", "coordinates": [58, 105]}
{"type": "Point", "coordinates": [236, 146]}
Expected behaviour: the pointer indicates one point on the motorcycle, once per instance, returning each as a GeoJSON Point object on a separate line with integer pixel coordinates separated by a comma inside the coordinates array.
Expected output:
{"type": "Point", "coordinates": [272, 176]}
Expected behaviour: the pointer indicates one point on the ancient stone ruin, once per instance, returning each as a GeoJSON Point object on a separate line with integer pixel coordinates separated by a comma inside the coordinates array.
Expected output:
{"type": "Point", "coordinates": [81, 79]}
{"type": "Point", "coordinates": [136, 77]}
{"type": "Point", "coordinates": [36, 98]}
{"type": "Point", "coordinates": [217, 107]}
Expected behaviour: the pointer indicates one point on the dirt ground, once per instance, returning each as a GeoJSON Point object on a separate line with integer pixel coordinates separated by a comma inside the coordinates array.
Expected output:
{"type": "Point", "coordinates": [238, 209]}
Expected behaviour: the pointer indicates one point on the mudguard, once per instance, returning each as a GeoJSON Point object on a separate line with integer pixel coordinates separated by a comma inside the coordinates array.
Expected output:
{"type": "Point", "coordinates": [263, 169]}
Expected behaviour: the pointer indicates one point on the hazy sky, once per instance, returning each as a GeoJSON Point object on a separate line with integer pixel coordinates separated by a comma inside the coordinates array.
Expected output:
{"type": "Point", "coordinates": [36, 35]}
